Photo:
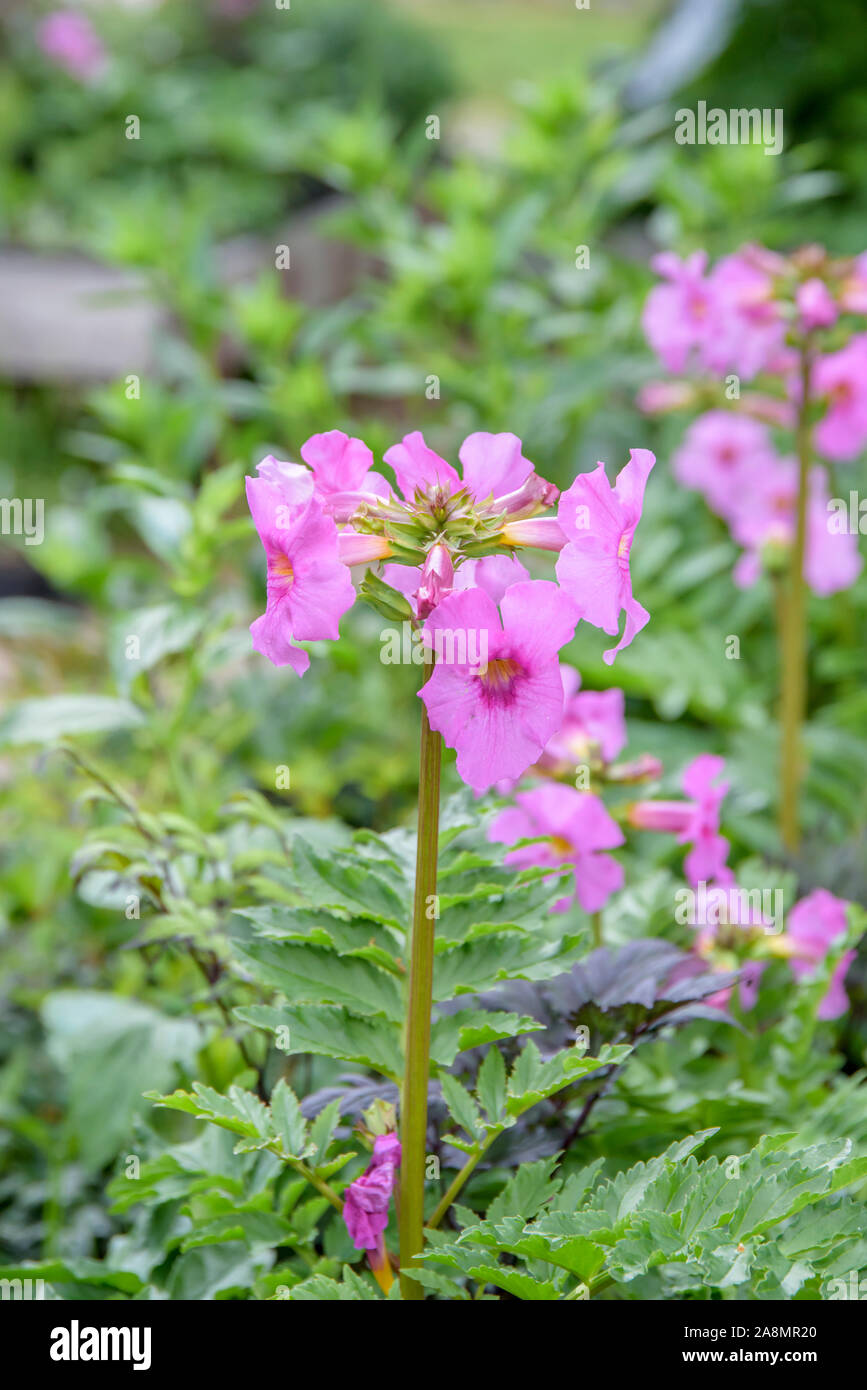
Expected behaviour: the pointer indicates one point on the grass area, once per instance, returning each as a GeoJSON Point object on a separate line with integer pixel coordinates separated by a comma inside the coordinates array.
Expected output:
{"type": "Point", "coordinates": [496, 43]}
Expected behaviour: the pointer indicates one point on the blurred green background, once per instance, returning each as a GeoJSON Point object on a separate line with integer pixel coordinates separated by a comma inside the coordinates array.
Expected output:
{"type": "Point", "coordinates": [153, 352]}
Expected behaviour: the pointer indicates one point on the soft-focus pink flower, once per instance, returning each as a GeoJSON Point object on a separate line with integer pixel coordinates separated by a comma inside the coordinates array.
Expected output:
{"type": "Point", "coordinates": [694, 822]}
{"type": "Point", "coordinates": [660, 397]}
{"type": "Point", "coordinates": [707, 858]}
{"type": "Point", "coordinates": [721, 454]}
{"type": "Point", "coordinates": [497, 696]}
{"type": "Point", "coordinates": [366, 1200]}
{"type": "Point", "coordinates": [70, 40]}
{"type": "Point", "coordinates": [764, 515]}
{"type": "Point", "coordinates": [815, 304]}
{"type": "Point", "coordinates": [593, 723]}
{"type": "Point", "coordinates": [814, 924]}
{"type": "Point", "coordinates": [676, 313]}
{"type": "Point", "coordinates": [576, 826]}
{"type": "Point", "coordinates": [745, 323]}
{"type": "Point", "coordinates": [309, 589]}
{"type": "Point", "coordinates": [842, 378]}
{"type": "Point", "coordinates": [832, 560]}
{"type": "Point", "coordinates": [853, 292]}
{"type": "Point", "coordinates": [593, 567]}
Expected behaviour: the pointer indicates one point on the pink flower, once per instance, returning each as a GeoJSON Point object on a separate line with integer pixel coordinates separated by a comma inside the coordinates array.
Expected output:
{"type": "Point", "coordinates": [706, 860]}
{"type": "Point", "coordinates": [593, 567]}
{"type": "Point", "coordinates": [694, 822]}
{"type": "Point", "coordinates": [815, 304]}
{"type": "Point", "coordinates": [493, 464]}
{"type": "Point", "coordinates": [832, 560]}
{"type": "Point", "coordinates": [576, 826]}
{"type": "Point", "coordinates": [660, 397]}
{"type": "Point", "coordinates": [815, 923]}
{"type": "Point", "coordinates": [765, 516]}
{"type": "Point", "coordinates": [676, 313]}
{"type": "Point", "coordinates": [341, 464]}
{"type": "Point", "coordinates": [366, 1200]}
{"type": "Point", "coordinates": [418, 469]}
{"type": "Point", "coordinates": [70, 40]}
{"type": "Point", "coordinates": [745, 323]}
{"type": "Point", "coordinates": [494, 574]}
{"type": "Point", "coordinates": [720, 456]}
{"type": "Point", "coordinates": [593, 723]}
{"type": "Point", "coordinates": [309, 589]}
{"type": "Point", "coordinates": [495, 694]}
{"type": "Point", "coordinates": [496, 475]}
{"type": "Point", "coordinates": [853, 295]}
{"type": "Point", "coordinates": [842, 378]}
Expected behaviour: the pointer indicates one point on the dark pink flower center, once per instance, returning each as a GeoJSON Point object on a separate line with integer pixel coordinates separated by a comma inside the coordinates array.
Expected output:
{"type": "Point", "coordinates": [499, 677]}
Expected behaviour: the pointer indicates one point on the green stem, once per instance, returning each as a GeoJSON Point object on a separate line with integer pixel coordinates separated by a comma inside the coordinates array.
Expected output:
{"type": "Point", "coordinates": [413, 1103]}
{"type": "Point", "coordinates": [596, 921]}
{"type": "Point", "coordinates": [460, 1178]}
{"type": "Point", "coordinates": [794, 635]}
{"type": "Point", "coordinates": [319, 1183]}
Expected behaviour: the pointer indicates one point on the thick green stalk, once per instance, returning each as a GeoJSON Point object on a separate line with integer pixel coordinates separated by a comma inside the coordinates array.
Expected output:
{"type": "Point", "coordinates": [793, 706]}
{"type": "Point", "coordinates": [413, 1102]}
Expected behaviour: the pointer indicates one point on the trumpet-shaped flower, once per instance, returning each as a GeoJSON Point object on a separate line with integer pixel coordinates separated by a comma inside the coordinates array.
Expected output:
{"type": "Point", "coordinates": [695, 821]}
{"type": "Point", "coordinates": [593, 725]}
{"type": "Point", "coordinates": [593, 567]}
{"type": "Point", "coordinates": [495, 694]}
{"type": "Point", "coordinates": [676, 312]}
{"type": "Point", "coordinates": [841, 377]}
{"type": "Point", "coordinates": [576, 828]}
{"type": "Point", "coordinates": [721, 455]}
{"type": "Point", "coordinates": [308, 586]}
{"type": "Point", "coordinates": [814, 924]}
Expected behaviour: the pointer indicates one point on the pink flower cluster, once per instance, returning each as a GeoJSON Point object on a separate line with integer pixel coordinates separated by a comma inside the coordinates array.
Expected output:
{"type": "Point", "coordinates": [758, 312]}
{"type": "Point", "coordinates": [731, 460]}
{"type": "Point", "coordinates": [452, 537]}
{"type": "Point", "coordinates": [814, 926]}
{"type": "Point", "coordinates": [70, 41]}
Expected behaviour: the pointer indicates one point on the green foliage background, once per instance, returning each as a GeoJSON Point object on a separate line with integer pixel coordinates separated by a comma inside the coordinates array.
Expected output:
{"type": "Point", "coordinates": [159, 781]}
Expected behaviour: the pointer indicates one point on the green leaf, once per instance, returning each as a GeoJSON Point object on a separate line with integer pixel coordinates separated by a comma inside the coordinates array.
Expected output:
{"type": "Point", "coordinates": [312, 975]}
{"type": "Point", "coordinates": [56, 716]}
{"type": "Point", "coordinates": [332, 1032]}
{"type": "Point", "coordinates": [454, 1033]}
{"type": "Point", "coordinates": [461, 1105]}
{"type": "Point", "coordinates": [288, 1120]}
{"type": "Point", "coordinates": [110, 1050]}
{"type": "Point", "coordinates": [491, 1085]}
{"type": "Point", "coordinates": [322, 1130]}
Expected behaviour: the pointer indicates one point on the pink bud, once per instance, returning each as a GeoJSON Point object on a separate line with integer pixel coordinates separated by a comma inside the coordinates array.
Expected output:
{"type": "Point", "coordinates": [544, 532]}
{"type": "Point", "coordinates": [671, 817]}
{"type": "Point", "coordinates": [437, 579]}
